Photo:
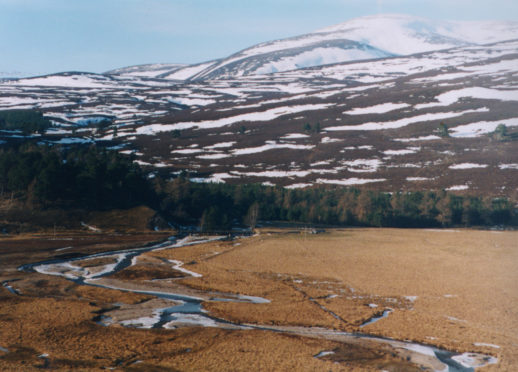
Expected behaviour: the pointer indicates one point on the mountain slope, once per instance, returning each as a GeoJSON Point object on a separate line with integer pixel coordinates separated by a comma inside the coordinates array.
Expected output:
{"type": "Point", "coordinates": [424, 121]}
{"type": "Point", "coordinates": [290, 58]}
{"type": "Point", "coordinates": [148, 70]}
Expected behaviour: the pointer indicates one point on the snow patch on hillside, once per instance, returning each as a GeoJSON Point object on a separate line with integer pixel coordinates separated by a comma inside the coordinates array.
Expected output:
{"type": "Point", "coordinates": [467, 166]}
{"type": "Point", "coordinates": [453, 96]}
{"type": "Point", "coordinates": [188, 72]}
{"type": "Point", "coordinates": [270, 145]}
{"type": "Point", "coordinates": [210, 124]}
{"type": "Point", "coordinates": [378, 109]}
{"type": "Point", "coordinates": [403, 122]}
{"type": "Point", "coordinates": [480, 128]}
{"type": "Point", "coordinates": [350, 181]}
{"type": "Point", "coordinates": [317, 57]}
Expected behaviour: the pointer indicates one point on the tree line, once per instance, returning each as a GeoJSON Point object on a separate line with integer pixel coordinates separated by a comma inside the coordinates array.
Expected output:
{"type": "Point", "coordinates": [78, 176]}
{"type": "Point", "coordinates": [218, 206]}
{"type": "Point", "coordinates": [25, 121]}
{"type": "Point", "coordinates": [87, 177]}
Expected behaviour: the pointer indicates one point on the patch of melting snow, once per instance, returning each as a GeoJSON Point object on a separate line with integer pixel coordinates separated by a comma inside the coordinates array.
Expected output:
{"type": "Point", "coordinates": [474, 360]}
{"type": "Point", "coordinates": [178, 266]}
{"type": "Point", "coordinates": [59, 269]}
{"type": "Point", "coordinates": [323, 162]}
{"type": "Point", "coordinates": [467, 166]}
{"type": "Point", "coordinates": [453, 96]}
{"type": "Point", "coordinates": [273, 173]}
{"type": "Point", "coordinates": [480, 128]}
{"type": "Point", "coordinates": [458, 188]}
{"type": "Point", "coordinates": [294, 136]}
{"type": "Point", "coordinates": [134, 260]}
{"type": "Point", "coordinates": [350, 181]}
{"type": "Point", "coordinates": [411, 298]}
{"type": "Point", "coordinates": [453, 319]}
{"type": "Point", "coordinates": [362, 165]}
{"type": "Point", "coordinates": [403, 122]}
{"type": "Point", "coordinates": [422, 138]}
{"type": "Point", "coordinates": [418, 179]}
{"type": "Point", "coordinates": [213, 156]}
{"type": "Point", "coordinates": [191, 320]}
{"type": "Point", "coordinates": [330, 140]}
{"type": "Point", "coordinates": [250, 117]}
{"type": "Point", "coordinates": [298, 186]}
{"type": "Point", "coordinates": [373, 306]}
{"type": "Point", "coordinates": [425, 350]}
{"type": "Point", "coordinates": [487, 345]}
{"type": "Point", "coordinates": [187, 151]}
{"type": "Point", "coordinates": [146, 322]}
{"type": "Point", "coordinates": [207, 180]}
{"type": "Point", "coordinates": [324, 353]}
{"type": "Point", "coordinates": [106, 269]}
{"type": "Point", "coordinates": [253, 299]}
{"type": "Point", "coordinates": [270, 145]}
{"type": "Point", "coordinates": [363, 147]}
{"type": "Point", "coordinates": [90, 227]}
{"type": "Point", "coordinates": [410, 150]}
{"type": "Point", "coordinates": [508, 166]}
{"type": "Point", "coordinates": [378, 109]}
{"type": "Point", "coordinates": [191, 101]}
{"type": "Point", "coordinates": [220, 145]}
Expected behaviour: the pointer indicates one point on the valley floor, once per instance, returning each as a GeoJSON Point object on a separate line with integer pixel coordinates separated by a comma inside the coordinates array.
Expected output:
{"type": "Point", "coordinates": [451, 289]}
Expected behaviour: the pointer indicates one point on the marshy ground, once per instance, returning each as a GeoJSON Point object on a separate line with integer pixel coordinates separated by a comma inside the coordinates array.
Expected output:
{"type": "Point", "coordinates": [453, 289]}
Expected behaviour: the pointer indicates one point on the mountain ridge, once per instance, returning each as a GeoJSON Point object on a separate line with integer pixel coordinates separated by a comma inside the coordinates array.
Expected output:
{"type": "Point", "coordinates": [377, 36]}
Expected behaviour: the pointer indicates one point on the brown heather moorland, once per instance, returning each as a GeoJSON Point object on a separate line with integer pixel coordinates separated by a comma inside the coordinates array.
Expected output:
{"type": "Point", "coordinates": [455, 289]}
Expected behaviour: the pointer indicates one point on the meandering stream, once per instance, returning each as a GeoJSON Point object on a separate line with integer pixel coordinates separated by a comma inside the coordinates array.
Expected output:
{"type": "Point", "coordinates": [188, 307]}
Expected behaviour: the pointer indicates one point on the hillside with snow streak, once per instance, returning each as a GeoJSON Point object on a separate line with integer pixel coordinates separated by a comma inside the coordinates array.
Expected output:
{"type": "Point", "coordinates": [442, 119]}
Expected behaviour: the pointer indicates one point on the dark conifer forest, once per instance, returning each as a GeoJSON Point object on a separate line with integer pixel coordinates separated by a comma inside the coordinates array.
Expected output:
{"type": "Point", "coordinates": [97, 179]}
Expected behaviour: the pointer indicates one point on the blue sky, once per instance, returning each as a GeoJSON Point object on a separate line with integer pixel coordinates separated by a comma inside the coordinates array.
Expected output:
{"type": "Point", "coordinates": [46, 36]}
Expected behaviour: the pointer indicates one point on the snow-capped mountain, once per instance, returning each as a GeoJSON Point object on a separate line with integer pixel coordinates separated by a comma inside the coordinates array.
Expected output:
{"type": "Point", "coordinates": [425, 120]}
{"type": "Point", "coordinates": [358, 39]}
{"type": "Point", "coordinates": [404, 35]}
{"type": "Point", "coordinates": [290, 54]}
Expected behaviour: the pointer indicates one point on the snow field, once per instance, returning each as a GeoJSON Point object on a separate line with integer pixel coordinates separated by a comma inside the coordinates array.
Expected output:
{"type": "Point", "coordinates": [350, 181]}
{"type": "Point", "coordinates": [378, 109]}
{"type": "Point", "coordinates": [270, 145]}
{"type": "Point", "coordinates": [480, 128]}
{"type": "Point", "coordinates": [253, 117]}
{"type": "Point", "coordinates": [467, 166]}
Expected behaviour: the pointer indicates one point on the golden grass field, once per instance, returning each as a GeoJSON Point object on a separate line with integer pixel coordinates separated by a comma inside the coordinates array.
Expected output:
{"type": "Point", "coordinates": [455, 289]}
